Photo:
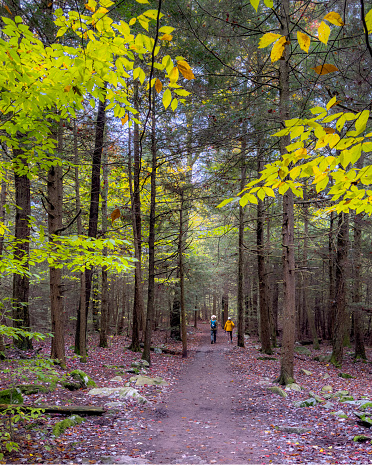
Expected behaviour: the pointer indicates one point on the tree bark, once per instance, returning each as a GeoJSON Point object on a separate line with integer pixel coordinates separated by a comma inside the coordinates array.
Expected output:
{"type": "Point", "coordinates": [55, 212]}
{"type": "Point", "coordinates": [182, 284]}
{"type": "Point", "coordinates": [262, 276]}
{"type": "Point", "coordinates": [289, 286]}
{"type": "Point", "coordinates": [305, 282]}
{"type": "Point", "coordinates": [137, 233]}
{"type": "Point", "coordinates": [104, 294]}
{"type": "Point", "coordinates": [341, 274]}
{"type": "Point", "coordinates": [93, 212]}
{"type": "Point", "coordinates": [360, 352]}
{"type": "Point", "coordinates": [240, 303]}
{"type": "Point", "coordinates": [150, 314]}
{"type": "Point", "coordinates": [21, 282]}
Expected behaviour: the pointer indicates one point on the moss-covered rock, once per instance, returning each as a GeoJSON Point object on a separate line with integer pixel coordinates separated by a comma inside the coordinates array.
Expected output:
{"type": "Point", "coordinates": [341, 393]}
{"type": "Point", "coordinates": [303, 350]}
{"type": "Point", "coordinates": [306, 372]}
{"type": "Point", "coordinates": [293, 387]}
{"type": "Point", "coordinates": [28, 389]}
{"type": "Point", "coordinates": [82, 378]}
{"type": "Point", "coordinates": [340, 414]}
{"type": "Point", "coordinates": [60, 427]}
{"type": "Point", "coordinates": [361, 438]}
{"type": "Point", "coordinates": [366, 405]}
{"type": "Point", "coordinates": [306, 403]}
{"type": "Point", "coordinates": [346, 399]}
{"type": "Point", "coordinates": [266, 358]}
{"type": "Point", "coordinates": [364, 419]}
{"type": "Point", "coordinates": [327, 388]}
{"type": "Point", "coordinates": [316, 397]}
{"type": "Point", "coordinates": [278, 390]}
{"type": "Point", "coordinates": [70, 385]}
{"type": "Point", "coordinates": [11, 396]}
{"type": "Point", "coordinates": [346, 376]}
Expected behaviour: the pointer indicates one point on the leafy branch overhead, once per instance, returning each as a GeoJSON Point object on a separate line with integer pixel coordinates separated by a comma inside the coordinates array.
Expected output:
{"type": "Point", "coordinates": [304, 40]}
{"type": "Point", "coordinates": [324, 151]}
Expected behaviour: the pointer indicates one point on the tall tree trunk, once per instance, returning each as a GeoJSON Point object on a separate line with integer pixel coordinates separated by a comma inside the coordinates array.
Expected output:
{"type": "Point", "coordinates": [21, 282]}
{"type": "Point", "coordinates": [55, 212]}
{"type": "Point", "coordinates": [3, 195]}
{"type": "Point", "coordinates": [341, 273]}
{"type": "Point", "coordinates": [360, 352]}
{"type": "Point", "coordinates": [175, 315]}
{"type": "Point", "coordinates": [331, 275]}
{"type": "Point", "coordinates": [104, 294]}
{"type": "Point", "coordinates": [305, 282]}
{"type": "Point", "coordinates": [289, 301]}
{"type": "Point", "coordinates": [262, 275]}
{"type": "Point", "coordinates": [225, 304]}
{"type": "Point", "coordinates": [240, 303]}
{"type": "Point", "coordinates": [151, 279]}
{"type": "Point", "coordinates": [93, 218]}
{"type": "Point", "coordinates": [181, 249]}
{"type": "Point", "coordinates": [137, 233]}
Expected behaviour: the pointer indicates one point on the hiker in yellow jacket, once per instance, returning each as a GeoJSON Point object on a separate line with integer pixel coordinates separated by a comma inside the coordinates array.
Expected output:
{"type": "Point", "coordinates": [229, 326]}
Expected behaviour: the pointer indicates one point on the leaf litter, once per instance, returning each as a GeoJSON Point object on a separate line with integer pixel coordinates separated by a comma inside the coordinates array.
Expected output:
{"type": "Point", "coordinates": [133, 429]}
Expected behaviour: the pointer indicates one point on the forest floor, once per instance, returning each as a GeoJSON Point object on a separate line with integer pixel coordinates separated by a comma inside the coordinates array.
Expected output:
{"type": "Point", "coordinates": [217, 408]}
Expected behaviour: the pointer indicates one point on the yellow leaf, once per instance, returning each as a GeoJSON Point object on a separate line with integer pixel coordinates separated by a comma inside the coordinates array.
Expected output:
{"type": "Point", "coordinates": [329, 130]}
{"type": "Point", "coordinates": [67, 88]}
{"type": "Point", "coordinates": [132, 21]}
{"type": "Point", "coordinates": [91, 5]}
{"type": "Point", "coordinates": [268, 39]}
{"type": "Point", "coordinates": [158, 86]}
{"type": "Point", "coordinates": [278, 49]}
{"type": "Point", "coordinates": [125, 119]}
{"type": "Point", "coordinates": [323, 32]}
{"type": "Point", "coordinates": [115, 214]}
{"type": "Point", "coordinates": [368, 19]}
{"type": "Point", "coordinates": [167, 37]}
{"type": "Point", "coordinates": [174, 74]}
{"type": "Point", "coordinates": [174, 104]}
{"type": "Point", "coordinates": [255, 4]}
{"type": "Point", "coordinates": [185, 69]}
{"type": "Point", "coordinates": [303, 41]}
{"type": "Point", "coordinates": [142, 1]}
{"type": "Point", "coordinates": [334, 18]}
{"type": "Point", "coordinates": [331, 103]}
{"type": "Point", "coordinates": [325, 69]}
{"type": "Point", "coordinates": [167, 98]}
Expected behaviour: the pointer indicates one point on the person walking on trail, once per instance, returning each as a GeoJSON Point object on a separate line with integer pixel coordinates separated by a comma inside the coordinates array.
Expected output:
{"type": "Point", "coordinates": [229, 326]}
{"type": "Point", "coordinates": [213, 329]}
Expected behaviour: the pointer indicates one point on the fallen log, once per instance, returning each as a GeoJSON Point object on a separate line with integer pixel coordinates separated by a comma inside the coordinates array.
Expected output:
{"type": "Point", "coordinates": [64, 409]}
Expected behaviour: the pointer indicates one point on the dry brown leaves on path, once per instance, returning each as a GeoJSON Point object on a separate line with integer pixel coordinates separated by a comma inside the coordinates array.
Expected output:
{"type": "Point", "coordinates": [217, 408]}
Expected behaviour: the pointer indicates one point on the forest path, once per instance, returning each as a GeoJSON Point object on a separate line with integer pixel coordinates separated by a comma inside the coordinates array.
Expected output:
{"type": "Point", "coordinates": [207, 417]}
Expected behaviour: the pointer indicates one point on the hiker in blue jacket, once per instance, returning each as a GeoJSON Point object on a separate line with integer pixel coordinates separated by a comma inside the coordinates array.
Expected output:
{"type": "Point", "coordinates": [213, 329]}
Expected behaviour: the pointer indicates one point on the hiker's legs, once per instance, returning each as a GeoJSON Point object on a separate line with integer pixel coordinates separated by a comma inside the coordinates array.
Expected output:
{"type": "Point", "coordinates": [212, 336]}
{"type": "Point", "coordinates": [230, 334]}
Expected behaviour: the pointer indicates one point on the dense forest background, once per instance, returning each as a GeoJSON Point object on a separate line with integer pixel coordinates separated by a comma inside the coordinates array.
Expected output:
{"type": "Point", "coordinates": [110, 186]}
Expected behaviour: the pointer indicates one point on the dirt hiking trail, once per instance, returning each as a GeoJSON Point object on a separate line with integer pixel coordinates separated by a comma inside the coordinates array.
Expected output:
{"type": "Point", "coordinates": [207, 417]}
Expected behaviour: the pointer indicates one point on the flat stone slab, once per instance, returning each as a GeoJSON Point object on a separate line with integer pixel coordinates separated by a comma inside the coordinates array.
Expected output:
{"type": "Point", "coordinates": [120, 392]}
{"type": "Point", "coordinates": [122, 459]}
{"type": "Point", "coordinates": [146, 380]}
